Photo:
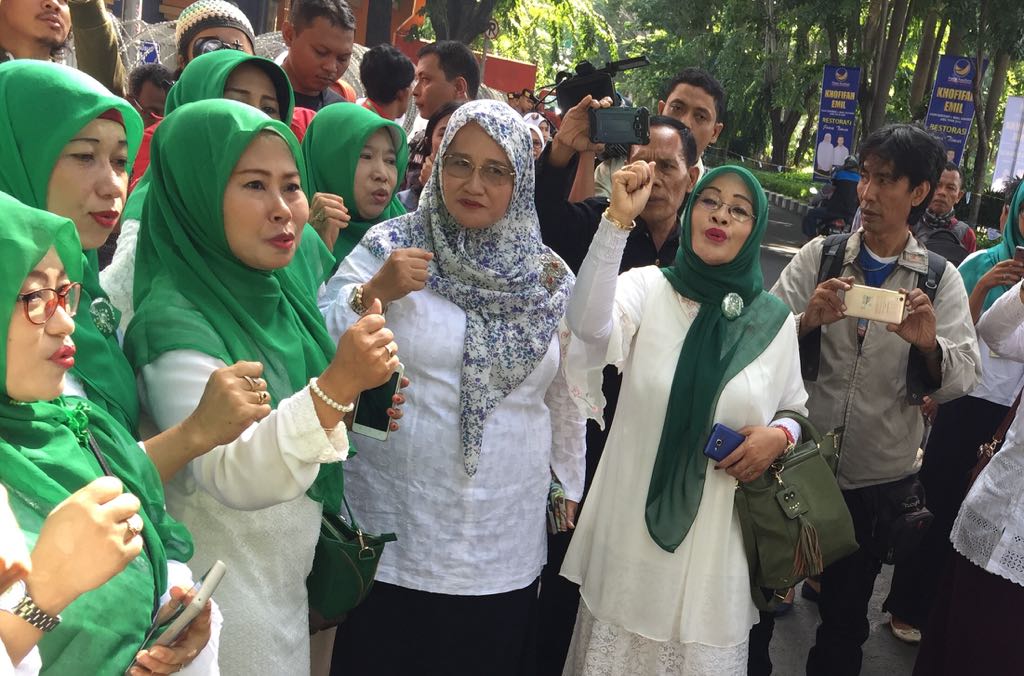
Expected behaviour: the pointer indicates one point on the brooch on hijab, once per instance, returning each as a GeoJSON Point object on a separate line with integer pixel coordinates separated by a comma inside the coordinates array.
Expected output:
{"type": "Point", "coordinates": [104, 316]}
{"type": "Point", "coordinates": [732, 306]}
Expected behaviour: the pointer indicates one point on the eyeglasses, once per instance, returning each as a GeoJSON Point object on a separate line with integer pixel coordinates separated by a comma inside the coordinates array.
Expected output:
{"type": "Point", "coordinates": [713, 204]}
{"type": "Point", "coordinates": [41, 304]}
{"type": "Point", "coordinates": [207, 45]}
{"type": "Point", "coordinates": [492, 174]}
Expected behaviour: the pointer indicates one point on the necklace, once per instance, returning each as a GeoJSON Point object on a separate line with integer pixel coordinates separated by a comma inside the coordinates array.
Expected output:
{"type": "Point", "coordinates": [863, 264]}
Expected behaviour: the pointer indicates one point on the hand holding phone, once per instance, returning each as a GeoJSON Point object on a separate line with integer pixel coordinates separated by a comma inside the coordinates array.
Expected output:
{"type": "Point", "coordinates": [371, 417]}
{"type": "Point", "coordinates": [722, 442]}
{"type": "Point", "coordinates": [624, 126]}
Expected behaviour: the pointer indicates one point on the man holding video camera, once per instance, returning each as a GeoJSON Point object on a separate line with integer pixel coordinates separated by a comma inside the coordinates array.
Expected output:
{"type": "Point", "coordinates": [871, 376]}
{"type": "Point", "coordinates": [695, 98]}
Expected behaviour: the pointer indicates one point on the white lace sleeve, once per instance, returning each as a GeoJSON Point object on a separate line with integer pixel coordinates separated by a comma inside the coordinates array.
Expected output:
{"type": "Point", "coordinates": [273, 461]}
{"type": "Point", "coordinates": [118, 278]}
{"type": "Point", "coordinates": [568, 429]}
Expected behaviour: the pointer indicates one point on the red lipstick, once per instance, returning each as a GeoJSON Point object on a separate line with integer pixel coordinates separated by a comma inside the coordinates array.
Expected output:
{"type": "Point", "coordinates": [64, 357]}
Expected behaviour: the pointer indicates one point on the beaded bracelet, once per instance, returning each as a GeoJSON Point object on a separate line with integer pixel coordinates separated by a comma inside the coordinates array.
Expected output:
{"type": "Point", "coordinates": [343, 408]}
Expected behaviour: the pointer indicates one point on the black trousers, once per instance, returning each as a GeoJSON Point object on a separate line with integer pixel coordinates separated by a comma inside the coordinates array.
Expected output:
{"type": "Point", "coordinates": [846, 588]}
{"type": "Point", "coordinates": [960, 427]}
{"type": "Point", "coordinates": [400, 632]}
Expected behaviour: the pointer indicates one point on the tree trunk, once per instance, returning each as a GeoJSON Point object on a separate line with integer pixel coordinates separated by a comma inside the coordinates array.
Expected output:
{"type": "Point", "coordinates": [459, 20]}
{"type": "Point", "coordinates": [874, 31]}
{"type": "Point", "coordinates": [924, 58]}
{"type": "Point", "coordinates": [887, 65]}
{"type": "Point", "coordinates": [985, 116]}
{"type": "Point", "coordinates": [933, 65]}
{"type": "Point", "coordinates": [804, 143]}
{"type": "Point", "coordinates": [833, 44]}
{"type": "Point", "coordinates": [981, 119]}
{"type": "Point", "coordinates": [956, 40]}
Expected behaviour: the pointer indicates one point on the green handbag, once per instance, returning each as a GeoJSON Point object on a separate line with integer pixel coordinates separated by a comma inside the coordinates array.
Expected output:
{"type": "Point", "coordinates": [344, 566]}
{"type": "Point", "coordinates": [794, 518]}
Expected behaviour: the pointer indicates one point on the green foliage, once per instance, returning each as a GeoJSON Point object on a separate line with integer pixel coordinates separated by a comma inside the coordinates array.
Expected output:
{"type": "Point", "coordinates": [795, 184]}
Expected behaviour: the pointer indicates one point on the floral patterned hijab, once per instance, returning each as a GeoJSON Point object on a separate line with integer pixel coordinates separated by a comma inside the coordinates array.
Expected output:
{"type": "Point", "coordinates": [513, 288]}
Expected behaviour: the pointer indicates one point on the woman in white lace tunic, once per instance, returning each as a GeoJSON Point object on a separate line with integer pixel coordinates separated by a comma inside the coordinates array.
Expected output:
{"type": "Point", "coordinates": [658, 550]}
{"type": "Point", "coordinates": [976, 623]}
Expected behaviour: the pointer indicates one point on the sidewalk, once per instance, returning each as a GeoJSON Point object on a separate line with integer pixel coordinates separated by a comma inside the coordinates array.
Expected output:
{"type": "Point", "coordinates": [883, 654]}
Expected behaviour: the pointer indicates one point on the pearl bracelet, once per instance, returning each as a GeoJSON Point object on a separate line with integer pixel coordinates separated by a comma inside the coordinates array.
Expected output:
{"type": "Point", "coordinates": [342, 408]}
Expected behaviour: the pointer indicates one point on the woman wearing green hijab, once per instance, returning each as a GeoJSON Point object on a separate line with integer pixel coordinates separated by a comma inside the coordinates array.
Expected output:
{"type": "Point", "coordinates": [227, 74]}
{"type": "Point", "coordinates": [224, 214]}
{"type": "Point", "coordinates": [658, 551]}
{"type": "Point", "coordinates": [108, 552]}
{"type": "Point", "coordinates": [358, 155]}
{"type": "Point", "coordinates": [68, 149]}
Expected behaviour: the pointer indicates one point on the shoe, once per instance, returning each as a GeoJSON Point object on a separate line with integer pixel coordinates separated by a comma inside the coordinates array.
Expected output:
{"type": "Point", "coordinates": [904, 632]}
{"type": "Point", "coordinates": [809, 592]}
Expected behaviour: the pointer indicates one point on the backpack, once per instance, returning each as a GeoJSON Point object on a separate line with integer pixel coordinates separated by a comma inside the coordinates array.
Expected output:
{"type": "Point", "coordinates": [832, 254]}
{"type": "Point", "coordinates": [947, 244]}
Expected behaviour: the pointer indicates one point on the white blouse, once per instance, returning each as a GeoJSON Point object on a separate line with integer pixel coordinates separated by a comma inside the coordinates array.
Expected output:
{"type": "Point", "coordinates": [701, 592]}
{"type": "Point", "coordinates": [457, 534]}
{"type": "Point", "coordinates": [245, 504]}
{"type": "Point", "coordinates": [118, 278]}
{"type": "Point", "coordinates": [989, 530]}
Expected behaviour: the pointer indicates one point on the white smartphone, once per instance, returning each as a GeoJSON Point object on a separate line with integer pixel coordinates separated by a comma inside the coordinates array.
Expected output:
{"type": "Point", "coordinates": [371, 417]}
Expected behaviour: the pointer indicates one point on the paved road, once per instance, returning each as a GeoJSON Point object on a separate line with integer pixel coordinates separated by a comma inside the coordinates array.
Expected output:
{"type": "Point", "coordinates": [794, 633]}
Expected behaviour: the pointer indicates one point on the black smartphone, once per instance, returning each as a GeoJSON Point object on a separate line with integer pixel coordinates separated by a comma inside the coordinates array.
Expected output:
{"type": "Point", "coordinates": [371, 415]}
{"type": "Point", "coordinates": [630, 126]}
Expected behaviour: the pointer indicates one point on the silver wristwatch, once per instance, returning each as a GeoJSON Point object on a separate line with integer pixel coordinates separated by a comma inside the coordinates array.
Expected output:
{"type": "Point", "coordinates": [16, 600]}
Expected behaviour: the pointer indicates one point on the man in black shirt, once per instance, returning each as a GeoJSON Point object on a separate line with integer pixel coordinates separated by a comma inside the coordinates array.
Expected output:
{"type": "Point", "coordinates": [319, 35]}
{"type": "Point", "coordinates": [568, 228]}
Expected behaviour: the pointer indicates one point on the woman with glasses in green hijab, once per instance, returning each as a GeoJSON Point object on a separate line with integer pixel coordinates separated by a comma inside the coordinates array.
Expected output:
{"type": "Point", "coordinates": [68, 149]}
{"type": "Point", "coordinates": [224, 216]}
{"type": "Point", "coordinates": [361, 157]}
{"type": "Point", "coordinates": [87, 501]}
{"type": "Point", "coordinates": [658, 551]}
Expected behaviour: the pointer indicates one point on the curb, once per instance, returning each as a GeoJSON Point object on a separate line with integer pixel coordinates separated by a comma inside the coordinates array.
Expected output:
{"type": "Point", "coordinates": [785, 202]}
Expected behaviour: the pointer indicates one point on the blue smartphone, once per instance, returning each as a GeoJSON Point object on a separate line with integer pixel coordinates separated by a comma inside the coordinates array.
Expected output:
{"type": "Point", "coordinates": [722, 442]}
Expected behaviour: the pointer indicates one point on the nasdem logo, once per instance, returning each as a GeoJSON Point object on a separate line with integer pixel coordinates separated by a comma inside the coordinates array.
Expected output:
{"type": "Point", "coordinates": [962, 67]}
{"type": "Point", "coordinates": [842, 75]}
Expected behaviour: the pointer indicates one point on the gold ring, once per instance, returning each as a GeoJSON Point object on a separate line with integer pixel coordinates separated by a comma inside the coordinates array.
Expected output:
{"type": "Point", "coordinates": [263, 397]}
{"type": "Point", "coordinates": [391, 353]}
{"type": "Point", "coordinates": [132, 531]}
{"type": "Point", "coordinates": [252, 383]}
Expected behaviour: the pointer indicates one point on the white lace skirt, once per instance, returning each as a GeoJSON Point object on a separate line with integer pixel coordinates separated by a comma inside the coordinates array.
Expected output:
{"type": "Point", "coordinates": [602, 649]}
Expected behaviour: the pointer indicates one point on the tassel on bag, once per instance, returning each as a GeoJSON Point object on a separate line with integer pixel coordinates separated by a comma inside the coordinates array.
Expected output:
{"type": "Point", "coordinates": [807, 559]}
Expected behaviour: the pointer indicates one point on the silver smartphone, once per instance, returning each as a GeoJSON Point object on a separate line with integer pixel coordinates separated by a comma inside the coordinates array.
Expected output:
{"type": "Point", "coordinates": [371, 417]}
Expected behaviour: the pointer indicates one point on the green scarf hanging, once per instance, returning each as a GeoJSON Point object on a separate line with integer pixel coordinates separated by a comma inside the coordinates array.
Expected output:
{"type": "Point", "coordinates": [973, 270]}
{"type": "Point", "coordinates": [204, 78]}
{"type": "Point", "coordinates": [192, 293]}
{"type": "Point", "coordinates": [45, 457]}
{"type": "Point", "coordinates": [332, 145]}
{"type": "Point", "coordinates": [33, 131]}
{"type": "Point", "coordinates": [715, 350]}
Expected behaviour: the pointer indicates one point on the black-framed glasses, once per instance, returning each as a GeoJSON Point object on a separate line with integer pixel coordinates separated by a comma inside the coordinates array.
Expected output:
{"type": "Point", "coordinates": [713, 203]}
{"type": "Point", "coordinates": [41, 304]}
{"type": "Point", "coordinates": [458, 166]}
{"type": "Point", "coordinates": [207, 45]}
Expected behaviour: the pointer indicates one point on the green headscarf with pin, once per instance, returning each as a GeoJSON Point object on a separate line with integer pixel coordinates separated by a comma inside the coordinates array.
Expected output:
{"type": "Point", "coordinates": [737, 320]}
{"type": "Point", "coordinates": [45, 457]}
{"type": "Point", "coordinates": [33, 131]}
{"type": "Point", "coordinates": [332, 146]}
{"type": "Point", "coordinates": [193, 293]}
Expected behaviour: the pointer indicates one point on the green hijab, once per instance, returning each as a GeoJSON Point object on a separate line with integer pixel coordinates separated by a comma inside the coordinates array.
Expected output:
{"type": "Point", "coordinates": [192, 293]}
{"type": "Point", "coordinates": [204, 78]}
{"type": "Point", "coordinates": [45, 457]}
{"type": "Point", "coordinates": [34, 130]}
{"type": "Point", "coordinates": [715, 350]}
{"type": "Point", "coordinates": [332, 145]}
{"type": "Point", "coordinates": [973, 270]}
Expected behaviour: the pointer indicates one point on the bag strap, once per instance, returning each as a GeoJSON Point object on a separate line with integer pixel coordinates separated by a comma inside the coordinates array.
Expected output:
{"type": "Point", "coordinates": [98, 454]}
{"type": "Point", "coordinates": [928, 282]}
{"type": "Point", "coordinates": [1004, 426]}
{"type": "Point", "coordinates": [833, 251]}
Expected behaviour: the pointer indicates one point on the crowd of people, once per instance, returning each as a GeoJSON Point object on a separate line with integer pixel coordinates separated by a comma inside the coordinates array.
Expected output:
{"type": "Point", "coordinates": [207, 262]}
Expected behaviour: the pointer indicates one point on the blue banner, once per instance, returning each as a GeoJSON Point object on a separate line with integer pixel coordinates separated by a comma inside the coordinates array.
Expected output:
{"type": "Point", "coordinates": [836, 116]}
{"type": "Point", "coordinates": [951, 108]}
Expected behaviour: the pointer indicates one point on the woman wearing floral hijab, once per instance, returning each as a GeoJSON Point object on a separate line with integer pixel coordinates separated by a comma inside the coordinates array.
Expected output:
{"type": "Point", "coordinates": [475, 299]}
{"type": "Point", "coordinates": [658, 552]}
{"type": "Point", "coordinates": [213, 285]}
